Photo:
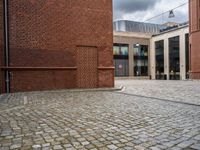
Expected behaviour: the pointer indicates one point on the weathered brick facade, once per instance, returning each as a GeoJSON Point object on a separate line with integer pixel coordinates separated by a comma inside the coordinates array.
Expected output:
{"type": "Point", "coordinates": [194, 7]}
{"type": "Point", "coordinates": [46, 37]}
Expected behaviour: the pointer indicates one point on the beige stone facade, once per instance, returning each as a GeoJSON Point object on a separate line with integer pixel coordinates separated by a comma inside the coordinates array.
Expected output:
{"type": "Point", "coordinates": [132, 38]}
{"type": "Point", "coordinates": [181, 32]}
{"type": "Point", "coordinates": [147, 39]}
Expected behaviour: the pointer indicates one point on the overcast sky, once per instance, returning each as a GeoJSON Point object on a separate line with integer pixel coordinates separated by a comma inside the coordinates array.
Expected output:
{"type": "Point", "coordinates": [141, 10]}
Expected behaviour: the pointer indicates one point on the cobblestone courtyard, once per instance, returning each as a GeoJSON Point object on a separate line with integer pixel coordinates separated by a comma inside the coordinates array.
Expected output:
{"type": "Point", "coordinates": [144, 115]}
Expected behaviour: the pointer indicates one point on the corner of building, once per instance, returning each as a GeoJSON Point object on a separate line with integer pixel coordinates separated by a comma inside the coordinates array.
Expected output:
{"type": "Point", "coordinates": [1, 46]}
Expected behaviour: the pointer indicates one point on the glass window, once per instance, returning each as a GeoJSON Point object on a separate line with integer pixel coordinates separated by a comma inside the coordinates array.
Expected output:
{"type": "Point", "coordinates": [174, 58]}
{"type": "Point", "coordinates": [120, 49]}
{"type": "Point", "coordinates": [121, 61]}
{"type": "Point", "coordinates": [116, 50]}
{"type": "Point", "coordinates": [159, 50]}
{"type": "Point", "coordinates": [140, 60]}
{"type": "Point", "coordinates": [187, 55]}
{"type": "Point", "coordinates": [124, 50]}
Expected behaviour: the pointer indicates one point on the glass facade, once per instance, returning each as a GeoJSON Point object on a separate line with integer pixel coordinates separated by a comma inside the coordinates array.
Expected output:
{"type": "Point", "coordinates": [174, 58]}
{"type": "Point", "coordinates": [159, 50]}
{"type": "Point", "coordinates": [187, 55]}
{"type": "Point", "coordinates": [121, 61]}
{"type": "Point", "coordinates": [140, 60]}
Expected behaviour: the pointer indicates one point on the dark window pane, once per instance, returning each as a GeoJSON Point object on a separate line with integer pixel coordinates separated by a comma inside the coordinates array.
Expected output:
{"type": "Point", "coordinates": [120, 49]}
{"type": "Point", "coordinates": [121, 67]}
{"type": "Point", "coordinates": [159, 49]}
{"type": "Point", "coordinates": [140, 60]}
{"type": "Point", "coordinates": [174, 59]}
{"type": "Point", "coordinates": [187, 54]}
{"type": "Point", "coordinates": [120, 52]}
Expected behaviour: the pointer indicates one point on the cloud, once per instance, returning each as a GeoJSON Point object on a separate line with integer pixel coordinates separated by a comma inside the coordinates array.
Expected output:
{"type": "Point", "coordinates": [141, 10]}
{"type": "Point", "coordinates": [123, 7]}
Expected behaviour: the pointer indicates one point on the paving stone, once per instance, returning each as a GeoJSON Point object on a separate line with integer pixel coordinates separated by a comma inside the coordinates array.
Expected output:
{"type": "Point", "coordinates": [176, 148]}
{"type": "Point", "coordinates": [57, 147]}
{"type": "Point", "coordinates": [36, 147]}
{"type": "Point", "coordinates": [139, 148]}
{"type": "Point", "coordinates": [85, 143]}
{"type": "Point", "coordinates": [15, 146]}
{"type": "Point", "coordinates": [197, 137]}
{"type": "Point", "coordinates": [90, 146]}
{"type": "Point", "coordinates": [155, 148]}
{"type": "Point", "coordinates": [113, 147]}
{"type": "Point", "coordinates": [115, 142]}
{"type": "Point", "coordinates": [6, 133]}
{"type": "Point", "coordinates": [4, 148]}
{"type": "Point", "coordinates": [67, 145]}
{"type": "Point", "coordinates": [196, 146]}
{"type": "Point", "coordinates": [46, 145]}
{"type": "Point", "coordinates": [185, 144]}
{"type": "Point", "coordinates": [145, 115]}
{"type": "Point", "coordinates": [46, 148]}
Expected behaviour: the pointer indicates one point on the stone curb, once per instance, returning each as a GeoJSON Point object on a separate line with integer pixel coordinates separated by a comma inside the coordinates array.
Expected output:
{"type": "Point", "coordinates": [160, 99]}
{"type": "Point", "coordinates": [118, 88]}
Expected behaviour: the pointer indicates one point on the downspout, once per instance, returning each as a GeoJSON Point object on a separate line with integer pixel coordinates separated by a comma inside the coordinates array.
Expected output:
{"type": "Point", "coordinates": [6, 46]}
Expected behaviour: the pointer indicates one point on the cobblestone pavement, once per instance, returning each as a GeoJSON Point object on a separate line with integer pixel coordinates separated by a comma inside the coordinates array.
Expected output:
{"type": "Point", "coordinates": [100, 120]}
{"type": "Point", "coordinates": [181, 91]}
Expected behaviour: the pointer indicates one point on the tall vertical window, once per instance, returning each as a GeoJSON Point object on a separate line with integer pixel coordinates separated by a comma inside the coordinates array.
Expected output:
{"type": "Point", "coordinates": [159, 45]}
{"type": "Point", "coordinates": [140, 60]}
{"type": "Point", "coordinates": [174, 58]}
{"type": "Point", "coordinates": [187, 55]}
{"type": "Point", "coordinates": [120, 52]}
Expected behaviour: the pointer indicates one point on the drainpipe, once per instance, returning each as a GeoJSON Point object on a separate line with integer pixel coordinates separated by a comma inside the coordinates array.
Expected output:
{"type": "Point", "coordinates": [6, 46]}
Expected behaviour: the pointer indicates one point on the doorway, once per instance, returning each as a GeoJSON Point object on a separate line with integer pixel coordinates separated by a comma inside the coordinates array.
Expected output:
{"type": "Point", "coordinates": [87, 67]}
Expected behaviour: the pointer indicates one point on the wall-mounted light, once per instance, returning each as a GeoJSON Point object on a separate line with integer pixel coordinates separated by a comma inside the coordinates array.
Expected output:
{"type": "Point", "coordinates": [137, 44]}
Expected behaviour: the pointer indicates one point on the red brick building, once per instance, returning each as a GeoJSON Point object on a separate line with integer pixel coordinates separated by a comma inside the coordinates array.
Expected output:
{"type": "Point", "coordinates": [56, 44]}
{"type": "Point", "coordinates": [194, 7]}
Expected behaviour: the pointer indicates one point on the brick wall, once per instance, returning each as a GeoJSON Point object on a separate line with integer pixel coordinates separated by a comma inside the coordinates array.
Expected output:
{"type": "Point", "coordinates": [194, 38]}
{"type": "Point", "coordinates": [195, 55]}
{"type": "Point", "coordinates": [46, 34]}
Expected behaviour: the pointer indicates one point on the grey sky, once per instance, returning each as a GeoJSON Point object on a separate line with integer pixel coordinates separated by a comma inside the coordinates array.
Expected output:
{"type": "Point", "coordinates": [141, 10]}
